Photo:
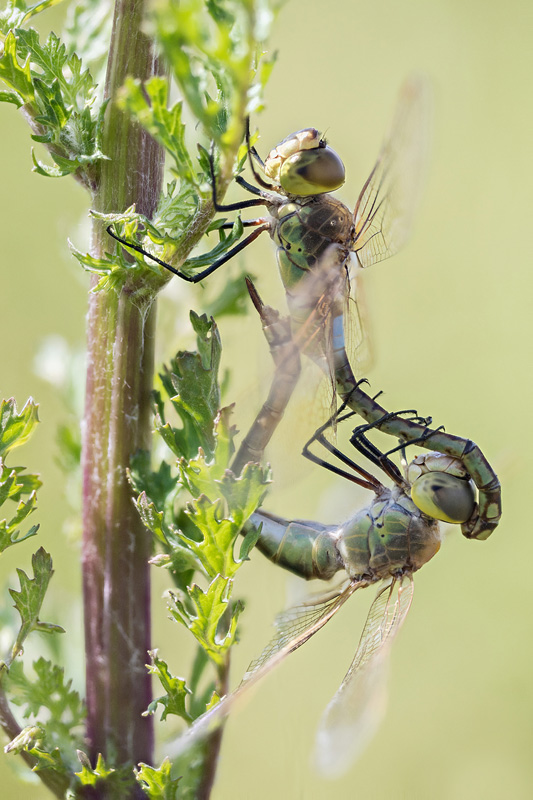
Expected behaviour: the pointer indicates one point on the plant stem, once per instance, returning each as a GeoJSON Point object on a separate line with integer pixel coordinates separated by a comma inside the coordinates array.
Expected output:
{"type": "Point", "coordinates": [116, 546]}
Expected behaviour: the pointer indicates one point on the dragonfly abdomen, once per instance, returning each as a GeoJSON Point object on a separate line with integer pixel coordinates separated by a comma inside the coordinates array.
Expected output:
{"type": "Point", "coordinates": [307, 549]}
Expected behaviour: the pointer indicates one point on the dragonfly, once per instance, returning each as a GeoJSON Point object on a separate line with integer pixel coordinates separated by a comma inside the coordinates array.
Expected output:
{"type": "Point", "coordinates": [384, 543]}
{"type": "Point", "coordinates": [285, 346]}
{"type": "Point", "coordinates": [308, 225]}
{"type": "Point", "coordinates": [295, 182]}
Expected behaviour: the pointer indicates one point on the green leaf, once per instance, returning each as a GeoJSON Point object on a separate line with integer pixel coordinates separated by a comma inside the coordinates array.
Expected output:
{"type": "Point", "coordinates": [160, 485]}
{"type": "Point", "coordinates": [148, 103]}
{"type": "Point", "coordinates": [15, 428]}
{"type": "Point", "coordinates": [116, 783]}
{"type": "Point", "coordinates": [52, 703]}
{"type": "Point", "coordinates": [9, 531]}
{"type": "Point", "coordinates": [157, 784]}
{"type": "Point", "coordinates": [220, 523]}
{"type": "Point", "coordinates": [11, 97]}
{"type": "Point", "coordinates": [192, 384]}
{"type": "Point", "coordinates": [199, 474]}
{"type": "Point", "coordinates": [204, 622]}
{"type": "Point", "coordinates": [176, 691]}
{"type": "Point", "coordinates": [32, 739]}
{"type": "Point", "coordinates": [14, 483]}
{"type": "Point", "coordinates": [29, 599]}
{"type": "Point", "coordinates": [48, 691]}
{"type": "Point", "coordinates": [19, 78]}
{"type": "Point", "coordinates": [54, 114]}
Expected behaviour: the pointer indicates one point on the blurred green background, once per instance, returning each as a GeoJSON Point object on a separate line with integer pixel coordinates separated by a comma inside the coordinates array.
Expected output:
{"type": "Point", "coordinates": [452, 331]}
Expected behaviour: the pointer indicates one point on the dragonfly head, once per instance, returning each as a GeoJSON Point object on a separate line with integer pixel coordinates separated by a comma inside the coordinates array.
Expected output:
{"type": "Point", "coordinates": [303, 164]}
{"type": "Point", "coordinates": [441, 487]}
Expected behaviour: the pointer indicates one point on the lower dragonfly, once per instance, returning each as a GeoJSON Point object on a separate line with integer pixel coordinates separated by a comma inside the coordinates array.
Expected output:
{"type": "Point", "coordinates": [387, 541]}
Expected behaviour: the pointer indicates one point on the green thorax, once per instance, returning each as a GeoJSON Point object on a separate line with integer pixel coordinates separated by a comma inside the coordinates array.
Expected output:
{"type": "Point", "coordinates": [303, 228]}
{"type": "Point", "coordinates": [389, 536]}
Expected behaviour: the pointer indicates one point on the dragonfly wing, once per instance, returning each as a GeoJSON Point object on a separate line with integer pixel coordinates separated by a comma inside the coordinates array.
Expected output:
{"type": "Point", "coordinates": [354, 713]}
{"type": "Point", "coordinates": [294, 627]}
{"type": "Point", "coordinates": [356, 326]}
{"type": "Point", "coordinates": [385, 208]}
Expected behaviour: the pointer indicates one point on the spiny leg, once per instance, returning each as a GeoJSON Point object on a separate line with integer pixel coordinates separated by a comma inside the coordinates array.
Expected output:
{"type": "Point", "coordinates": [482, 523]}
{"type": "Point", "coordinates": [367, 480]}
{"type": "Point", "coordinates": [199, 275]}
{"type": "Point", "coordinates": [261, 200]}
{"type": "Point", "coordinates": [367, 448]}
{"type": "Point", "coordinates": [286, 357]}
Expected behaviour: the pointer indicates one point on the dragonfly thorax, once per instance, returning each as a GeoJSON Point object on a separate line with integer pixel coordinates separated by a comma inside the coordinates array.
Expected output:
{"type": "Point", "coordinates": [302, 164]}
{"type": "Point", "coordinates": [390, 536]}
{"type": "Point", "coordinates": [303, 229]}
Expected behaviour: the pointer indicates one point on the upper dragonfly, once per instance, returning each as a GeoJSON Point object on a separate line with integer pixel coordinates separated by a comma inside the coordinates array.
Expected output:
{"type": "Point", "coordinates": [294, 183]}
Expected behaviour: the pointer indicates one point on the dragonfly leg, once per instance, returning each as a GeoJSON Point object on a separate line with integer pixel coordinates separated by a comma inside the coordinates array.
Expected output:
{"type": "Point", "coordinates": [367, 448]}
{"type": "Point", "coordinates": [252, 152]}
{"type": "Point", "coordinates": [286, 357]}
{"type": "Point", "coordinates": [367, 480]}
{"type": "Point", "coordinates": [421, 440]}
{"type": "Point", "coordinates": [199, 275]}
{"type": "Point", "coordinates": [261, 201]}
{"type": "Point", "coordinates": [487, 516]}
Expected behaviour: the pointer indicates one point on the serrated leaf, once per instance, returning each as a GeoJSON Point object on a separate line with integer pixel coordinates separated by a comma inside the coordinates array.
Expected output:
{"type": "Point", "coordinates": [11, 97]}
{"type": "Point", "coordinates": [173, 701]}
{"type": "Point", "coordinates": [148, 103]}
{"type": "Point", "coordinates": [113, 782]}
{"type": "Point", "coordinates": [215, 551]}
{"type": "Point", "coordinates": [191, 383]}
{"type": "Point", "coordinates": [48, 691]}
{"type": "Point", "coordinates": [16, 76]}
{"type": "Point", "coordinates": [201, 476]}
{"type": "Point", "coordinates": [160, 485]}
{"type": "Point", "coordinates": [220, 523]}
{"type": "Point", "coordinates": [50, 761]}
{"type": "Point", "coordinates": [15, 428]}
{"type": "Point", "coordinates": [14, 483]}
{"type": "Point", "coordinates": [29, 599]}
{"type": "Point", "coordinates": [210, 607]}
{"type": "Point", "coordinates": [50, 171]}
{"type": "Point", "coordinates": [9, 531]}
{"type": "Point", "coordinates": [157, 784]}
{"type": "Point", "coordinates": [52, 108]}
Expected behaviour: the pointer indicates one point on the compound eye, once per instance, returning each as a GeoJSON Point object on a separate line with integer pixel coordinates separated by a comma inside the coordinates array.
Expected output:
{"type": "Point", "coordinates": [311, 172]}
{"type": "Point", "coordinates": [444, 497]}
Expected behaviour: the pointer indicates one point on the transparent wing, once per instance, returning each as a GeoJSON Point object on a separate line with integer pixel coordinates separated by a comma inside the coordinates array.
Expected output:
{"type": "Point", "coordinates": [356, 327]}
{"type": "Point", "coordinates": [294, 627]}
{"type": "Point", "coordinates": [385, 208]}
{"type": "Point", "coordinates": [354, 713]}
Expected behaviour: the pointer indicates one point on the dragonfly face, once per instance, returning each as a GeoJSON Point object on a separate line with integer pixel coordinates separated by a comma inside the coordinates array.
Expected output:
{"type": "Point", "coordinates": [303, 164]}
{"type": "Point", "coordinates": [441, 487]}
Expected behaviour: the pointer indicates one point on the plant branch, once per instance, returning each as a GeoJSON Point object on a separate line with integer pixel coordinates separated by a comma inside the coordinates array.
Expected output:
{"type": "Point", "coordinates": [116, 546]}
